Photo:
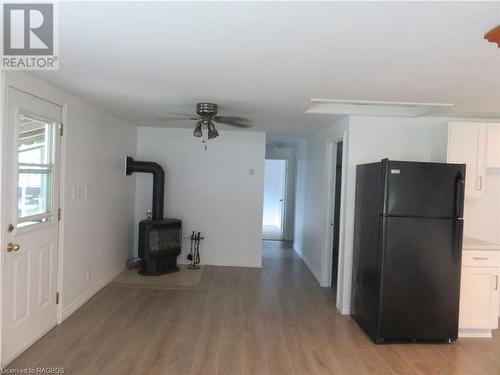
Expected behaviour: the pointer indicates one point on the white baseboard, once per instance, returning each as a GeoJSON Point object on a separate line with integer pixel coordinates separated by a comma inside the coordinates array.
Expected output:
{"type": "Point", "coordinates": [226, 264]}
{"type": "Point", "coordinates": [297, 250]}
{"type": "Point", "coordinates": [344, 310]}
{"type": "Point", "coordinates": [315, 272]}
{"type": "Point", "coordinates": [484, 333]}
{"type": "Point", "coordinates": [89, 294]}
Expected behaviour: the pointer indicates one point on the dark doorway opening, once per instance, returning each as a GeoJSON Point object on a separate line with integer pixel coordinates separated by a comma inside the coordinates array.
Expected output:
{"type": "Point", "coordinates": [336, 213]}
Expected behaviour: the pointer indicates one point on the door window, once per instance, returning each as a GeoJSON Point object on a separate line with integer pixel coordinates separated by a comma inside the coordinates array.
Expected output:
{"type": "Point", "coordinates": [35, 165]}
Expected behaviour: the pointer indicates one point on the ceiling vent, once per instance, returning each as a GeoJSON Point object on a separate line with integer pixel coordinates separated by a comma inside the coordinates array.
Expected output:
{"type": "Point", "coordinates": [372, 108]}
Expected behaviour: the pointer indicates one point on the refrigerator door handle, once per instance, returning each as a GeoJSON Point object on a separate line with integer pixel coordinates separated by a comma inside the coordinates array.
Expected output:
{"type": "Point", "coordinates": [457, 243]}
{"type": "Point", "coordinates": [459, 196]}
{"type": "Point", "coordinates": [458, 221]}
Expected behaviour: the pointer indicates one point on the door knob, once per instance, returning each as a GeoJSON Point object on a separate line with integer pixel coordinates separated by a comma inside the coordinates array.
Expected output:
{"type": "Point", "coordinates": [12, 247]}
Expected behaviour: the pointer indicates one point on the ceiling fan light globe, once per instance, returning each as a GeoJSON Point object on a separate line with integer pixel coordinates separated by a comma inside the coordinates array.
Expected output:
{"type": "Point", "coordinates": [213, 133]}
{"type": "Point", "coordinates": [197, 130]}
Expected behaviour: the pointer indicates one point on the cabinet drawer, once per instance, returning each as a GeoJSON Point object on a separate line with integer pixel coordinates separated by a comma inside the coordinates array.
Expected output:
{"type": "Point", "coordinates": [480, 258]}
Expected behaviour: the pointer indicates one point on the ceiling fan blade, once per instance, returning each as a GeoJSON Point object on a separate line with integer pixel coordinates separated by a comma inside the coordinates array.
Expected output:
{"type": "Point", "coordinates": [177, 118]}
{"type": "Point", "coordinates": [228, 119]}
{"type": "Point", "coordinates": [240, 122]}
{"type": "Point", "coordinates": [237, 124]}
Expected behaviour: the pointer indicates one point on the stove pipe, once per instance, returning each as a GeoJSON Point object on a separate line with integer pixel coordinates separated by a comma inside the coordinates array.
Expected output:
{"type": "Point", "coordinates": [158, 182]}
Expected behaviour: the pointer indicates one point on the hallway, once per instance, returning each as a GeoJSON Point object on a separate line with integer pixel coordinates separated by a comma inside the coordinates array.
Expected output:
{"type": "Point", "coordinates": [274, 320]}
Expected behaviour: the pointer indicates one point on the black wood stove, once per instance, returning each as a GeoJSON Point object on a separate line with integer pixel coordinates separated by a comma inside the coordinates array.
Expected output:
{"type": "Point", "coordinates": [159, 239]}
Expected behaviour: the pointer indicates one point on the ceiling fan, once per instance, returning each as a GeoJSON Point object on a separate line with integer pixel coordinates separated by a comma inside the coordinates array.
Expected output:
{"type": "Point", "coordinates": [206, 119]}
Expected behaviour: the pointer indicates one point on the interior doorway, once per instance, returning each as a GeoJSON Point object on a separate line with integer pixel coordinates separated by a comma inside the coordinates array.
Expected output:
{"type": "Point", "coordinates": [335, 217]}
{"type": "Point", "coordinates": [275, 178]}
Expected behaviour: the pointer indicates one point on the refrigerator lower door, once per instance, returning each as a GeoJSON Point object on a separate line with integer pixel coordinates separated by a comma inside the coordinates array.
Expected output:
{"type": "Point", "coordinates": [420, 279]}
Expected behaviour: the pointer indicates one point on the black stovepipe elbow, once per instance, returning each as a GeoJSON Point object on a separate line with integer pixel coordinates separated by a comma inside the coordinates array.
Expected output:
{"type": "Point", "coordinates": [158, 182]}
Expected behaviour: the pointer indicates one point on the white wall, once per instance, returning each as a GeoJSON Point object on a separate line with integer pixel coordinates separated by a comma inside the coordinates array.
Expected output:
{"type": "Point", "coordinates": [97, 227]}
{"type": "Point", "coordinates": [369, 139]}
{"type": "Point", "coordinates": [212, 191]}
{"type": "Point", "coordinates": [286, 152]}
{"type": "Point", "coordinates": [311, 223]}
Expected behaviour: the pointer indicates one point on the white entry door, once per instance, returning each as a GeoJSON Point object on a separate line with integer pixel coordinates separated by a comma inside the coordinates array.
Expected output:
{"type": "Point", "coordinates": [31, 203]}
{"type": "Point", "coordinates": [274, 199]}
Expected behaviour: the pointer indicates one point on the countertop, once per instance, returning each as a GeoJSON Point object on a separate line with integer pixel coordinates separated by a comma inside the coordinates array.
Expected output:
{"type": "Point", "coordinates": [470, 243]}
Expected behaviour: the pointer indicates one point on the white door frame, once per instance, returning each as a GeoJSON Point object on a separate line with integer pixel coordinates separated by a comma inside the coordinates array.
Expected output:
{"type": "Point", "coordinates": [21, 81]}
{"type": "Point", "coordinates": [331, 162]}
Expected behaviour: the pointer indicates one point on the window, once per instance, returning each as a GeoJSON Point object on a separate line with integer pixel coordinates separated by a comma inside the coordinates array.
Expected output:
{"type": "Point", "coordinates": [35, 163]}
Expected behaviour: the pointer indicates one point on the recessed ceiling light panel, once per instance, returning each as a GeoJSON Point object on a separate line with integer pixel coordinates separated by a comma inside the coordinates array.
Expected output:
{"type": "Point", "coordinates": [372, 108]}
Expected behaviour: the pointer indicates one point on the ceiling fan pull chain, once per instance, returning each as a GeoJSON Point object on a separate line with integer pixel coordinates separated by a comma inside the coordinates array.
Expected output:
{"type": "Point", "coordinates": [205, 141]}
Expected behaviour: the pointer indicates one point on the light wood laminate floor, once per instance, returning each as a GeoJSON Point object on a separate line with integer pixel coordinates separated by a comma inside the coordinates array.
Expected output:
{"type": "Point", "coordinates": [274, 320]}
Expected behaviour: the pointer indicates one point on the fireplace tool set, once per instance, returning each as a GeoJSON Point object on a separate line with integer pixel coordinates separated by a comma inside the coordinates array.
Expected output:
{"type": "Point", "coordinates": [194, 251]}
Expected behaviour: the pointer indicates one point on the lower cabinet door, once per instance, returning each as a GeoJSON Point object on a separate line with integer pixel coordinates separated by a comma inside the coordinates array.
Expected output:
{"type": "Point", "coordinates": [479, 298]}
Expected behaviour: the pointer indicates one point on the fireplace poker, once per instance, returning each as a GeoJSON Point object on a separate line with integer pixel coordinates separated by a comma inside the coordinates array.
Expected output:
{"type": "Point", "coordinates": [197, 251]}
{"type": "Point", "coordinates": [190, 255]}
{"type": "Point", "coordinates": [195, 258]}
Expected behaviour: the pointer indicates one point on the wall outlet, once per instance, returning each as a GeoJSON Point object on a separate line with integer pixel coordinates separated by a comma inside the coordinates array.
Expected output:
{"type": "Point", "coordinates": [88, 274]}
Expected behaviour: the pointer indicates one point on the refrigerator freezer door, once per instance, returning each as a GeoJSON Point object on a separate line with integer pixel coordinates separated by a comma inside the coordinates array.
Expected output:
{"type": "Point", "coordinates": [420, 279]}
{"type": "Point", "coordinates": [423, 189]}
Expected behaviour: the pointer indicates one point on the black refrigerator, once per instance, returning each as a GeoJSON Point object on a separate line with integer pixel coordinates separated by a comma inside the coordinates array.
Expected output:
{"type": "Point", "coordinates": [407, 250]}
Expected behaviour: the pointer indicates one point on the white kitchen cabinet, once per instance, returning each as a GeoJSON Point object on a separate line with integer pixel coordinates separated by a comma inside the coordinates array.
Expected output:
{"type": "Point", "coordinates": [479, 293]}
{"type": "Point", "coordinates": [467, 143]}
{"type": "Point", "coordinates": [493, 148]}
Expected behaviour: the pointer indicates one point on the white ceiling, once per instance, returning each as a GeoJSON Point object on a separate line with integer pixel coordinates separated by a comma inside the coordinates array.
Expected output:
{"type": "Point", "coordinates": [265, 60]}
